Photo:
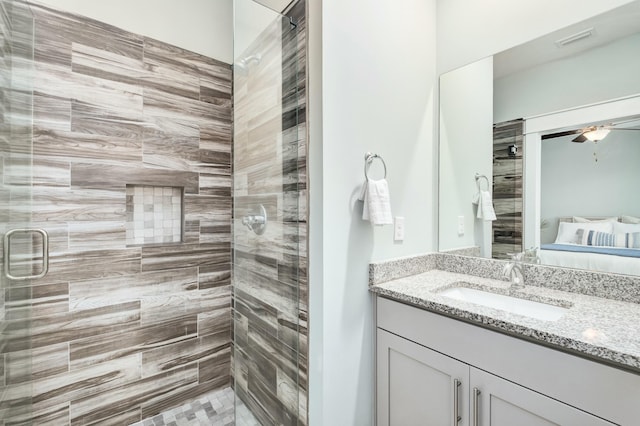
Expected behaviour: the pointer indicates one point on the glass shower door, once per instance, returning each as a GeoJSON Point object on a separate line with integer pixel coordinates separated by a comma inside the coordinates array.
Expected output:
{"type": "Point", "coordinates": [23, 249]}
{"type": "Point", "coordinates": [267, 232]}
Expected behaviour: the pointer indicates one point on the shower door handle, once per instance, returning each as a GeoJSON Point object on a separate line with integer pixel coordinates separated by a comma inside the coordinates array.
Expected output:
{"type": "Point", "coordinates": [7, 253]}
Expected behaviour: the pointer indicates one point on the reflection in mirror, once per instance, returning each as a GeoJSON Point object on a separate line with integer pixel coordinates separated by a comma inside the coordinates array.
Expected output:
{"type": "Point", "coordinates": [586, 173]}
{"type": "Point", "coordinates": [538, 177]}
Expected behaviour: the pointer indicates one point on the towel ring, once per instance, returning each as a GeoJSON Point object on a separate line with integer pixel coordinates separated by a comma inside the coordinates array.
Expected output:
{"type": "Point", "coordinates": [479, 177]}
{"type": "Point", "coordinates": [368, 159]}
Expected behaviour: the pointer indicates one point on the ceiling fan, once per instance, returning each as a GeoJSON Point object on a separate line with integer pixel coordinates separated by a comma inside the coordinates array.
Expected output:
{"type": "Point", "coordinates": [591, 133]}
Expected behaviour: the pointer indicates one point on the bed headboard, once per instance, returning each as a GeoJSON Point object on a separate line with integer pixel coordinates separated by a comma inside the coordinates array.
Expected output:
{"type": "Point", "coordinates": [550, 234]}
{"type": "Point", "coordinates": [570, 218]}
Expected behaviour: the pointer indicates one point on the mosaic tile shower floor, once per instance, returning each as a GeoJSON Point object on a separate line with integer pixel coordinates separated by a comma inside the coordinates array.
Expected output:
{"type": "Point", "coordinates": [214, 409]}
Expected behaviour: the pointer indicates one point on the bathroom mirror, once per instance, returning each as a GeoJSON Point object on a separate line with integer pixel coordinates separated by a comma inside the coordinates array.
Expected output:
{"type": "Point", "coordinates": [507, 125]}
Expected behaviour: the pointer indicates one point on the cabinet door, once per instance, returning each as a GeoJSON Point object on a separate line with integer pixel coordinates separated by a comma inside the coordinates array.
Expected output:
{"type": "Point", "coordinates": [418, 386]}
{"type": "Point", "coordinates": [503, 403]}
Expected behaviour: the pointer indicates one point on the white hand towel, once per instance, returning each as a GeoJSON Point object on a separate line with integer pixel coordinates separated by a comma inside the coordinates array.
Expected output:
{"type": "Point", "coordinates": [377, 204]}
{"type": "Point", "coordinates": [485, 206]}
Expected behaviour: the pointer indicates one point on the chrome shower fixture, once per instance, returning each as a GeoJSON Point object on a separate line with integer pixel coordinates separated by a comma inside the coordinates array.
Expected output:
{"type": "Point", "coordinates": [256, 220]}
{"type": "Point", "coordinates": [246, 63]}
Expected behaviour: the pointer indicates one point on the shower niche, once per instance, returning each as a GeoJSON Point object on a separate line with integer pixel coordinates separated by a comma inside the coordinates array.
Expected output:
{"type": "Point", "coordinates": [154, 214]}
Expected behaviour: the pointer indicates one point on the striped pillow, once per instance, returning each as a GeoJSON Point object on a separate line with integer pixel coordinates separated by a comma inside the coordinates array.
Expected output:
{"type": "Point", "coordinates": [605, 239]}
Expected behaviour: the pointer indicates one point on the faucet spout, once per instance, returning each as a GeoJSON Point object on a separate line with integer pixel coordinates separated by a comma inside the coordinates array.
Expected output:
{"type": "Point", "coordinates": [513, 272]}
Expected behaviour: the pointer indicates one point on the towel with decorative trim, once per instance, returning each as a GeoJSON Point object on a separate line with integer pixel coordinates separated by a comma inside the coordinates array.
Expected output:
{"type": "Point", "coordinates": [377, 203]}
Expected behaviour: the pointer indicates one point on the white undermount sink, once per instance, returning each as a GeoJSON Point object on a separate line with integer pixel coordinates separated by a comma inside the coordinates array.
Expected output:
{"type": "Point", "coordinates": [515, 305]}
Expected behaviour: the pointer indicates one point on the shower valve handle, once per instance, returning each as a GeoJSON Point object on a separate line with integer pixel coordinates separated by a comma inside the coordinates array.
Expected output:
{"type": "Point", "coordinates": [256, 220]}
{"type": "Point", "coordinates": [251, 220]}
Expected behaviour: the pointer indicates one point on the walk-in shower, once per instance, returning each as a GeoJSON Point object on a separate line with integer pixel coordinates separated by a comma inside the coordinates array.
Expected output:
{"type": "Point", "coordinates": [165, 192]}
{"type": "Point", "coordinates": [269, 266]}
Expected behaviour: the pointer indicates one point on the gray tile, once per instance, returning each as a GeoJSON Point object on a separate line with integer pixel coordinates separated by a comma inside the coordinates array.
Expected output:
{"type": "Point", "coordinates": [231, 410]}
{"type": "Point", "coordinates": [113, 108]}
{"type": "Point", "coordinates": [97, 310]}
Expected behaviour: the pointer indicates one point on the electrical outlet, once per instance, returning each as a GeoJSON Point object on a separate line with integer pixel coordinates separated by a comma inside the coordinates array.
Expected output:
{"type": "Point", "coordinates": [460, 225]}
{"type": "Point", "coordinates": [398, 229]}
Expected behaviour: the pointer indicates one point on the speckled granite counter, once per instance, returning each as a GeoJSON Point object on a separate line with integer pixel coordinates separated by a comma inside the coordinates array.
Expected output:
{"type": "Point", "coordinates": [602, 329]}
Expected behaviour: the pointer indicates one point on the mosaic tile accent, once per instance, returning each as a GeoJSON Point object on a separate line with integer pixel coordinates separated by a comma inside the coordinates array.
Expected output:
{"type": "Point", "coordinates": [154, 214]}
{"type": "Point", "coordinates": [213, 409]}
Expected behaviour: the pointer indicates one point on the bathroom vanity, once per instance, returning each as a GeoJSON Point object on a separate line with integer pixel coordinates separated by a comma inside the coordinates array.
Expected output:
{"type": "Point", "coordinates": [447, 360]}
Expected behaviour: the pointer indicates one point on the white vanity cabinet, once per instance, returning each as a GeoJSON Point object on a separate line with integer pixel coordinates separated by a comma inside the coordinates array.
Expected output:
{"type": "Point", "coordinates": [430, 368]}
{"type": "Point", "coordinates": [500, 402]}
{"type": "Point", "coordinates": [418, 386]}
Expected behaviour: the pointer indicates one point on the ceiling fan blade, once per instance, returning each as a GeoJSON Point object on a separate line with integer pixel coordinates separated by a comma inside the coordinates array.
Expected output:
{"type": "Point", "coordinates": [560, 134]}
{"type": "Point", "coordinates": [580, 139]}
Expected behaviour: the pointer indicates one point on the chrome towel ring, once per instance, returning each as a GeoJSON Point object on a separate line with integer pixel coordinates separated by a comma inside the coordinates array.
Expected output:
{"type": "Point", "coordinates": [479, 178]}
{"type": "Point", "coordinates": [368, 159]}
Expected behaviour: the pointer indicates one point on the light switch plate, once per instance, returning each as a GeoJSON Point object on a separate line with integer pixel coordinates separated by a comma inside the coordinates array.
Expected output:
{"type": "Point", "coordinates": [398, 229]}
{"type": "Point", "coordinates": [460, 225]}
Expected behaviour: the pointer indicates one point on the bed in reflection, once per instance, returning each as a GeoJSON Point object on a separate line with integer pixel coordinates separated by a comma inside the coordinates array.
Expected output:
{"type": "Point", "coordinates": [605, 244]}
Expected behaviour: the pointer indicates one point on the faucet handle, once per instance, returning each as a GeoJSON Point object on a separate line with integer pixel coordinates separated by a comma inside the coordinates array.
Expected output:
{"type": "Point", "coordinates": [506, 271]}
{"type": "Point", "coordinates": [516, 257]}
{"type": "Point", "coordinates": [531, 255]}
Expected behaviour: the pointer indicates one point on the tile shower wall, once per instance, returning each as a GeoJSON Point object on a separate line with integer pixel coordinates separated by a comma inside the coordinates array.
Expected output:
{"type": "Point", "coordinates": [119, 332]}
{"type": "Point", "coordinates": [270, 270]}
{"type": "Point", "coordinates": [16, 58]}
{"type": "Point", "coordinates": [507, 189]}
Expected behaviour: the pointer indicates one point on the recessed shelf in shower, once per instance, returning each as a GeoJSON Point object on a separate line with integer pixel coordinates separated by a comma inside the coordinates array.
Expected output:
{"type": "Point", "coordinates": [154, 214]}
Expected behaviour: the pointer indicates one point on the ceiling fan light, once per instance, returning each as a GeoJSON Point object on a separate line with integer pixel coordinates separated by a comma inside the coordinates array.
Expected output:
{"type": "Point", "coordinates": [596, 134]}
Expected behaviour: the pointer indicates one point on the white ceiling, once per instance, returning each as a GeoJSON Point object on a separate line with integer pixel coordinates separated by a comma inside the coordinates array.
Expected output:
{"type": "Point", "coordinates": [277, 5]}
{"type": "Point", "coordinates": [610, 26]}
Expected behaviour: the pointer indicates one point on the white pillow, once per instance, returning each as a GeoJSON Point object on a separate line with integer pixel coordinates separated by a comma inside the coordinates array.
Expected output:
{"type": "Point", "coordinates": [567, 231]}
{"type": "Point", "coordinates": [630, 219]}
{"type": "Point", "coordinates": [625, 228]}
{"type": "Point", "coordinates": [578, 219]}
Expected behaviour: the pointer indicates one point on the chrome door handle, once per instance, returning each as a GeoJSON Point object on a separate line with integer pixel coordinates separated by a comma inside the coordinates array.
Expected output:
{"type": "Point", "coordinates": [7, 253]}
{"type": "Point", "coordinates": [456, 402]}
{"type": "Point", "coordinates": [476, 403]}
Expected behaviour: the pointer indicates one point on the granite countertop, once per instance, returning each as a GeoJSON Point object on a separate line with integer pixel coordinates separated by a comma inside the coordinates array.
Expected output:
{"type": "Point", "coordinates": [602, 329]}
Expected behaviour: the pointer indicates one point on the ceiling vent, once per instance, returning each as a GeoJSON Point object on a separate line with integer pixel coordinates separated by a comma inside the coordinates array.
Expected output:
{"type": "Point", "coordinates": [576, 37]}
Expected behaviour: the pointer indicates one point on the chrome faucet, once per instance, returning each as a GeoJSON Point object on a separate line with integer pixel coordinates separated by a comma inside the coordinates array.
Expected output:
{"type": "Point", "coordinates": [513, 271]}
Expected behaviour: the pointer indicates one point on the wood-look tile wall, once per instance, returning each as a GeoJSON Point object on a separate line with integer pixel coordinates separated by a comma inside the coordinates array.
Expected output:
{"type": "Point", "coordinates": [16, 33]}
{"type": "Point", "coordinates": [270, 270]}
{"type": "Point", "coordinates": [507, 189]}
{"type": "Point", "coordinates": [118, 333]}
